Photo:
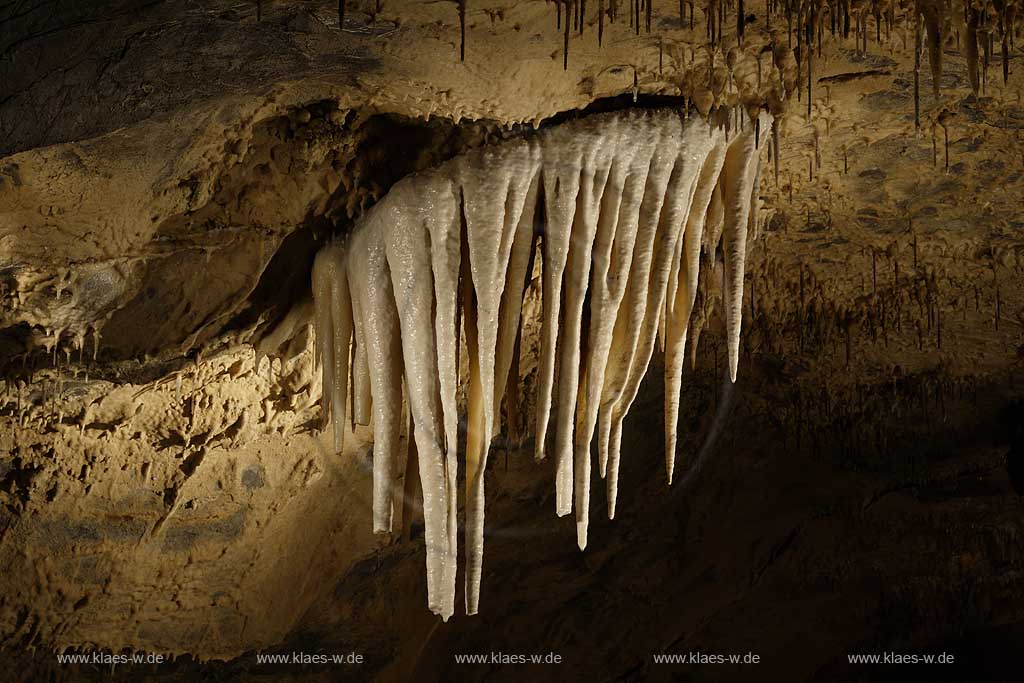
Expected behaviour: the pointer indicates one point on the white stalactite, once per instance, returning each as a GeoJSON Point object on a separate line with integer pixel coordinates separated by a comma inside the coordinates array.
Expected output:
{"type": "Point", "coordinates": [361, 398]}
{"type": "Point", "coordinates": [493, 204]}
{"type": "Point", "coordinates": [681, 303]}
{"type": "Point", "coordinates": [561, 181]}
{"type": "Point", "coordinates": [620, 205]}
{"type": "Point", "coordinates": [404, 221]}
{"type": "Point", "coordinates": [738, 174]}
{"type": "Point", "coordinates": [370, 283]}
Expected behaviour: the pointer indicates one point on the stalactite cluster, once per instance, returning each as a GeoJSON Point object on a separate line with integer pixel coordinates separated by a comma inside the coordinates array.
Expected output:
{"type": "Point", "coordinates": [900, 299]}
{"type": "Point", "coordinates": [614, 210]}
{"type": "Point", "coordinates": [975, 28]}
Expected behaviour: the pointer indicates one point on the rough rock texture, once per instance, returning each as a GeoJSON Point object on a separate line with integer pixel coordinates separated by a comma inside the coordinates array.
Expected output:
{"type": "Point", "coordinates": [168, 171]}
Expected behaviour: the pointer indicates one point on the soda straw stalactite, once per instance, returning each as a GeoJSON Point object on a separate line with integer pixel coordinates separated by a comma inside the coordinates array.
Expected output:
{"type": "Point", "coordinates": [971, 48]}
{"type": "Point", "coordinates": [943, 121]}
{"type": "Point", "coordinates": [995, 283]}
{"type": "Point", "coordinates": [565, 43]}
{"type": "Point", "coordinates": [876, 12]}
{"type": "Point", "coordinates": [935, 153]}
{"type": "Point", "coordinates": [809, 77]}
{"type": "Point", "coordinates": [1006, 30]}
{"type": "Point", "coordinates": [709, 24]}
{"type": "Point", "coordinates": [820, 30]}
{"type": "Point", "coordinates": [917, 66]}
{"type": "Point", "coordinates": [933, 28]}
{"type": "Point", "coordinates": [462, 30]}
{"type": "Point", "coordinates": [740, 21]}
{"type": "Point", "coordinates": [986, 42]}
{"type": "Point", "coordinates": [775, 148]}
{"type": "Point", "coordinates": [914, 234]}
{"type": "Point", "coordinates": [874, 272]}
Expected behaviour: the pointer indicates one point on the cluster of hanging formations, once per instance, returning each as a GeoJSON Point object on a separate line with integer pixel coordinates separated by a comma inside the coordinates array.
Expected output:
{"type": "Point", "coordinates": [732, 65]}
{"type": "Point", "coordinates": [614, 211]}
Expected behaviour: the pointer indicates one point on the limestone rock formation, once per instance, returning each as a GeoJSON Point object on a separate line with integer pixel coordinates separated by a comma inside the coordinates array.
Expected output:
{"type": "Point", "coordinates": [170, 172]}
